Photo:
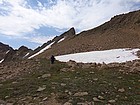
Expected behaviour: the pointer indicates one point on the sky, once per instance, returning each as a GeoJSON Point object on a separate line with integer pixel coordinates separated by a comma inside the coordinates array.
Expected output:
{"type": "Point", "coordinates": [33, 22]}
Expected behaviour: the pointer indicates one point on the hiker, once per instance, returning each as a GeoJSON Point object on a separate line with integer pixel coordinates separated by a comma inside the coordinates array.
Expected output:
{"type": "Point", "coordinates": [52, 59]}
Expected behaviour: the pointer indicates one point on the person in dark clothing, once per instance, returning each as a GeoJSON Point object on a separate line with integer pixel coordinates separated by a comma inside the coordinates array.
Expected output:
{"type": "Point", "coordinates": [52, 59]}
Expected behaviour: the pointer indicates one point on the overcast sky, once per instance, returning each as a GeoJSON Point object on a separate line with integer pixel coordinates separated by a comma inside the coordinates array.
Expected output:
{"type": "Point", "coordinates": [34, 22]}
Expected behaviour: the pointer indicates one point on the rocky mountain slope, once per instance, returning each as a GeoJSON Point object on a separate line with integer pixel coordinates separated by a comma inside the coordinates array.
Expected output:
{"type": "Point", "coordinates": [122, 31]}
{"type": "Point", "coordinates": [7, 53]}
{"type": "Point", "coordinates": [37, 82]}
{"type": "Point", "coordinates": [58, 40]}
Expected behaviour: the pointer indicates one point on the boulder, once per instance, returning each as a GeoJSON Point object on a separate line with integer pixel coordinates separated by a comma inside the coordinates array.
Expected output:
{"type": "Point", "coordinates": [46, 75]}
{"type": "Point", "coordinates": [67, 103]}
{"type": "Point", "coordinates": [136, 64]}
{"type": "Point", "coordinates": [121, 90]}
{"type": "Point", "coordinates": [81, 94]}
{"type": "Point", "coordinates": [112, 101]}
{"type": "Point", "coordinates": [41, 88]}
{"type": "Point", "coordinates": [72, 63]}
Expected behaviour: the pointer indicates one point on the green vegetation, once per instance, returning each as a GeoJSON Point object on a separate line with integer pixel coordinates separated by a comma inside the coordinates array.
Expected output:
{"type": "Point", "coordinates": [105, 85]}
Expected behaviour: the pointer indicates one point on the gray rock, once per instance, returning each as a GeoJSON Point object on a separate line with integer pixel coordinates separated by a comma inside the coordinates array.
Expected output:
{"type": "Point", "coordinates": [136, 64]}
{"type": "Point", "coordinates": [69, 93]}
{"type": "Point", "coordinates": [41, 88]}
{"type": "Point", "coordinates": [95, 79]}
{"type": "Point", "coordinates": [129, 63]}
{"type": "Point", "coordinates": [62, 84]}
{"type": "Point", "coordinates": [46, 75]}
{"type": "Point", "coordinates": [66, 91]}
{"type": "Point", "coordinates": [64, 69]}
{"type": "Point", "coordinates": [135, 69]}
{"type": "Point", "coordinates": [112, 101]}
{"type": "Point", "coordinates": [96, 99]}
{"type": "Point", "coordinates": [72, 63]}
{"type": "Point", "coordinates": [103, 66]}
{"type": "Point", "coordinates": [2, 102]}
{"type": "Point", "coordinates": [93, 64]}
{"type": "Point", "coordinates": [9, 104]}
{"type": "Point", "coordinates": [85, 103]}
{"type": "Point", "coordinates": [121, 90]}
{"type": "Point", "coordinates": [81, 94]}
{"type": "Point", "coordinates": [67, 103]}
{"type": "Point", "coordinates": [14, 82]}
{"type": "Point", "coordinates": [44, 99]}
{"type": "Point", "coordinates": [112, 65]}
{"type": "Point", "coordinates": [91, 72]}
{"type": "Point", "coordinates": [101, 97]}
{"type": "Point", "coordinates": [85, 66]}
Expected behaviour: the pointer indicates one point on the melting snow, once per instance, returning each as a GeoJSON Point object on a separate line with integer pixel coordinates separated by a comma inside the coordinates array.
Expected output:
{"type": "Point", "coordinates": [26, 55]}
{"type": "Point", "coordinates": [7, 51]}
{"type": "Point", "coordinates": [106, 56]}
{"type": "Point", "coordinates": [1, 60]}
{"type": "Point", "coordinates": [61, 40]}
{"type": "Point", "coordinates": [42, 50]}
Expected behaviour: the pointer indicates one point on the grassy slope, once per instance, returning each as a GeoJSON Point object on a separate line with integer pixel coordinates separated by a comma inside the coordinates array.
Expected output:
{"type": "Point", "coordinates": [64, 85]}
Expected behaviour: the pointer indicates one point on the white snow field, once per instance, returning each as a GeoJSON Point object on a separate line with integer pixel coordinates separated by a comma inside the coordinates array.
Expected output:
{"type": "Point", "coordinates": [106, 56]}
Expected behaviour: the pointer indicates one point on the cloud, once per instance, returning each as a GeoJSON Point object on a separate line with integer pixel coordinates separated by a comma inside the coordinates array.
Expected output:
{"type": "Point", "coordinates": [39, 39]}
{"type": "Point", "coordinates": [19, 18]}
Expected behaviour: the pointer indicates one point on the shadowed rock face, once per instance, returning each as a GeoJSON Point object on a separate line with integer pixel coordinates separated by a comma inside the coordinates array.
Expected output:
{"type": "Point", "coordinates": [122, 31]}
{"type": "Point", "coordinates": [4, 49]}
{"type": "Point", "coordinates": [9, 54]}
{"type": "Point", "coordinates": [19, 54]}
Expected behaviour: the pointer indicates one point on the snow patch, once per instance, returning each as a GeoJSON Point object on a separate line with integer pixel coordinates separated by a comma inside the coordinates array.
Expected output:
{"type": "Point", "coordinates": [42, 50]}
{"type": "Point", "coordinates": [61, 40]}
{"type": "Point", "coordinates": [106, 56]}
{"type": "Point", "coordinates": [26, 55]}
{"type": "Point", "coordinates": [7, 51]}
{"type": "Point", "coordinates": [1, 60]}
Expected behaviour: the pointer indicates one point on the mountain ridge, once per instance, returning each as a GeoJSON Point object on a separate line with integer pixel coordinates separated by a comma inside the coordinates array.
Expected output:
{"type": "Point", "coordinates": [7, 53]}
{"type": "Point", "coordinates": [37, 82]}
{"type": "Point", "coordinates": [122, 31]}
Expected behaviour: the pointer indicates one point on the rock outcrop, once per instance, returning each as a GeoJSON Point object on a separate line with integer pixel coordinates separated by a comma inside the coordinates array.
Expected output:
{"type": "Point", "coordinates": [4, 49]}
{"type": "Point", "coordinates": [7, 53]}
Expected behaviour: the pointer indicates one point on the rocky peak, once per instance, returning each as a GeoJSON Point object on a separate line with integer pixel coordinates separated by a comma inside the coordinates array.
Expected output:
{"type": "Point", "coordinates": [70, 32]}
{"type": "Point", "coordinates": [4, 49]}
{"type": "Point", "coordinates": [23, 48]}
{"type": "Point", "coordinates": [7, 53]}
